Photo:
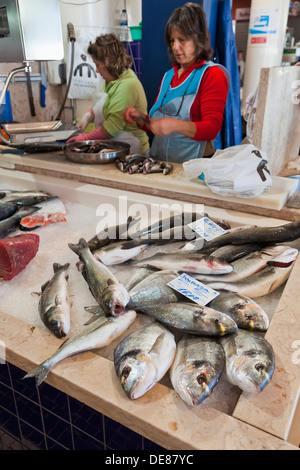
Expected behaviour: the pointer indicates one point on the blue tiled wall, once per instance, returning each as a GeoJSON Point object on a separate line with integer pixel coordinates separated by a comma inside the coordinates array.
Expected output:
{"type": "Point", "coordinates": [46, 419]}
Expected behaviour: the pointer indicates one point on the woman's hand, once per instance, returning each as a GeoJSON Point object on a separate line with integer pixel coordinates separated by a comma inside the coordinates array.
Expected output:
{"type": "Point", "coordinates": [167, 125]}
{"type": "Point", "coordinates": [133, 115]}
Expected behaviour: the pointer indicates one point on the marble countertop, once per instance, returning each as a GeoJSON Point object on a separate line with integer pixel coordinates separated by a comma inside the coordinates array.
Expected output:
{"type": "Point", "coordinates": [263, 421]}
{"type": "Point", "coordinates": [175, 185]}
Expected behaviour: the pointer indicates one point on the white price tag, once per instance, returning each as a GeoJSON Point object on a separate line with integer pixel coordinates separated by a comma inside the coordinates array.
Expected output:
{"type": "Point", "coordinates": [206, 228]}
{"type": "Point", "coordinates": [193, 289]}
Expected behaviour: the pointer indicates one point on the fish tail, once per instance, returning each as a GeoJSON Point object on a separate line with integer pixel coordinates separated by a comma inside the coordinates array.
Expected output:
{"type": "Point", "coordinates": [79, 246]}
{"type": "Point", "coordinates": [40, 373]}
{"type": "Point", "coordinates": [59, 267]}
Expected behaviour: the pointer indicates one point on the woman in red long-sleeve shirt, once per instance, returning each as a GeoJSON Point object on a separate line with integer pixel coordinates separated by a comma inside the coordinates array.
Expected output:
{"type": "Point", "coordinates": [189, 108]}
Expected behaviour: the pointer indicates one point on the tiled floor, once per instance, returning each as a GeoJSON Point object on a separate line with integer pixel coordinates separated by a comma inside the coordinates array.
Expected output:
{"type": "Point", "coordinates": [46, 419]}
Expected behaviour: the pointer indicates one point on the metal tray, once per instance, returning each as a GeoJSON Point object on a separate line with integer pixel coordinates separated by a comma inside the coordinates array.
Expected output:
{"type": "Point", "coordinates": [110, 150]}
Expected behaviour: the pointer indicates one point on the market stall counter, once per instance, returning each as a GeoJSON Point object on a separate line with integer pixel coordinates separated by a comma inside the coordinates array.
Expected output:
{"type": "Point", "coordinates": [228, 418]}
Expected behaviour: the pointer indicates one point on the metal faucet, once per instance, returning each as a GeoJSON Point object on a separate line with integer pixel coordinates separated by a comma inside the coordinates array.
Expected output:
{"type": "Point", "coordinates": [26, 68]}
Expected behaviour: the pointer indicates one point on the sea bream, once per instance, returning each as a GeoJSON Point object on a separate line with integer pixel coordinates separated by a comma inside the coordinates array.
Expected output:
{"type": "Point", "coordinates": [191, 318]}
{"type": "Point", "coordinates": [197, 368]}
{"type": "Point", "coordinates": [244, 311]}
{"type": "Point", "coordinates": [143, 358]}
{"type": "Point", "coordinates": [50, 211]}
{"type": "Point", "coordinates": [186, 261]}
{"type": "Point", "coordinates": [250, 360]}
{"type": "Point", "coordinates": [108, 292]}
{"type": "Point", "coordinates": [265, 281]}
{"type": "Point", "coordinates": [54, 304]}
{"type": "Point", "coordinates": [97, 334]}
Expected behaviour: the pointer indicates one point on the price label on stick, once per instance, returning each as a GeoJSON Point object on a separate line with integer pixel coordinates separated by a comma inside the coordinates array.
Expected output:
{"type": "Point", "coordinates": [193, 289]}
{"type": "Point", "coordinates": [206, 228]}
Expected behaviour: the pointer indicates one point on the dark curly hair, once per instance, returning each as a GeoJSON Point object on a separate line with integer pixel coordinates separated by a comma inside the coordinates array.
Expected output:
{"type": "Point", "coordinates": [109, 50]}
{"type": "Point", "coordinates": [190, 20]}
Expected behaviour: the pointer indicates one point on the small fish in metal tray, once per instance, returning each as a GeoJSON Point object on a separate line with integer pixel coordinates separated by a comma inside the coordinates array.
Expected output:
{"type": "Point", "coordinates": [91, 148]}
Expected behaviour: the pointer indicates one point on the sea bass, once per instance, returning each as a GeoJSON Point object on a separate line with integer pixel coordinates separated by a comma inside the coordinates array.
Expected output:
{"type": "Point", "coordinates": [24, 198]}
{"type": "Point", "coordinates": [247, 265]}
{"type": "Point", "coordinates": [120, 251]}
{"type": "Point", "coordinates": [154, 289]}
{"type": "Point", "coordinates": [97, 334]}
{"type": "Point", "coordinates": [143, 358]}
{"type": "Point", "coordinates": [197, 368]}
{"type": "Point", "coordinates": [250, 360]}
{"type": "Point", "coordinates": [244, 311]}
{"type": "Point", "coordinates": [186, 261]}
{"type": "Point", "coordinates": [191, 318]}
{"type": "Point", "coordinates": [109, 293]}
{"type": "Point", "coordinates": [50, 211]}
{"type": "Point", "coordinates": [261, 235]}
{"type": "Point", "coordinates": [8, 209]}
{"type": "Point", "coordinates": [111, 234]}
{"type": "Point", "coordinates": [261, 283]}
{"type": "Point", "coordinates": [54, 304]}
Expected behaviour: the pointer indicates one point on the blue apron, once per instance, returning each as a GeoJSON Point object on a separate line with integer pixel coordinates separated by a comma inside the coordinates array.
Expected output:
{"type": "Point", "coordinates": [176, 102]}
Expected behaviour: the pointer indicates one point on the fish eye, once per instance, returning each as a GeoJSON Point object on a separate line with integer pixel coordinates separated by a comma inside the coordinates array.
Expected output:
{"type": "Point", "coordinates": [249, 317]}
{"type": "Point", "coordinates": [125, 372]}
{"type": "Point", "coordinates": [201, 379]}
{"type": "Point", "coordinates": [259, 367]}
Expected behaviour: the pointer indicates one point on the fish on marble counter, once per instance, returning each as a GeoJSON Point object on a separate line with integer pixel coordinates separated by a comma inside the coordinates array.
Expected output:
{"type": "Point", "coordinates": [106, 289]}
{"type": "Point", "coordinates": [101, 332]}
{"type": "Point", "coordinates": [143, 358]}
{"type": "Point", "coordinates": [50, 211]}
{"type": "Point", "coordinates": [250, 360]}
{"type": "Point", "coordinates": [54, 303]}
{"type": "Point", "coordinates": [197, 368]}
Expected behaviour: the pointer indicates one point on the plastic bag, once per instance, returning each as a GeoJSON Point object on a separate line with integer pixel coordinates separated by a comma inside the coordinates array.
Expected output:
{"type": "Point", "coordinates": [236, 171]}
{"type": "Point", "coordinates": [85, 81]}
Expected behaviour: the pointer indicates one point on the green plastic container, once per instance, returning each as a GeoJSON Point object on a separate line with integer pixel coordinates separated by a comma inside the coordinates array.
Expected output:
{"type": "Point", "coordinates": [136, 32]}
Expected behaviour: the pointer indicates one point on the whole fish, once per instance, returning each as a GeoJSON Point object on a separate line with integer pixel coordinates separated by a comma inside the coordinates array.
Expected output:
{"type": "Point", "coordinates": [154, 289]}
{"type": "Point", "coordinates": [97, 334]}
{"type": "Point", "coordinates": [24, 198]}
{"type": "Point", "coordinates": [143, 358]}
{"type": "Point", "coordinates": [262, 283]}
{"type": "Point", "coordinates": [244, 311]}
{"type": "Point", "coordinates": [120, 251]}
{"type": "Point", "coordinates": [246, 266]}
{"type": "Point", "coordinates": [261, 235]}
{"type": "Point", "coordinates": [186, 261]}
{"type": "Point", "coordinates": [8, 209]}
{"type": "Point", "coordinates": [250, 360]}
{"type": "Point", "coordinates": [201, 244]}
{"type": "Point", "coordinates": [197, 368]}
{"type": "Point", "coordinates": [139, 275]}
{"type": "Point", "coordinates": [54, 304]}
{"type": "Point", "coordinates": [111, 234]}
{"type": "Point", "coordinates": [11, 223]}
{"type": "Point", "coordinates": [109, 293]}
{"type": "Point", "coordinates": [191, 318]}
{"type": "Point", "coordinates": [231, 253]}
{"type": "Point", "coordinates": [51, 210]}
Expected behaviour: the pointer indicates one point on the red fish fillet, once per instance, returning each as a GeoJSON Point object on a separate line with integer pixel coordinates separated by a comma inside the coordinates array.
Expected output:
{"type": "Point", "coordinates": [16, 253]}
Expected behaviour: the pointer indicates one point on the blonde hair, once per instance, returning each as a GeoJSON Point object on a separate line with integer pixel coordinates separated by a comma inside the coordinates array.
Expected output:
{"type": "Point", "coordinates": [109, 50]}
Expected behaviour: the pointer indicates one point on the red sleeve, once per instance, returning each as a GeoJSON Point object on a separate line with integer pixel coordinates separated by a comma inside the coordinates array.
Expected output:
{"type": "Point", "coordinates": [208, 108]}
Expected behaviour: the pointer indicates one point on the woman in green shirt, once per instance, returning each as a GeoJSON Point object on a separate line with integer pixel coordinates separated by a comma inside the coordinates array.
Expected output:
{"type": "Point", "coordinates": [122, 89]}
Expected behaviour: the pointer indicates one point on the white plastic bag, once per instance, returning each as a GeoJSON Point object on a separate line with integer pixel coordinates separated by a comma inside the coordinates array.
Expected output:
{"type": "Point", "coordinates": [85, 81]}
{"type": "Point", "coordinates": [240, 170]}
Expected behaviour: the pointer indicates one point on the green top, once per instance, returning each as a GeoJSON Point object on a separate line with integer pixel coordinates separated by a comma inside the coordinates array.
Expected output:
{"type": "Point", "coordinates": [126, 91]}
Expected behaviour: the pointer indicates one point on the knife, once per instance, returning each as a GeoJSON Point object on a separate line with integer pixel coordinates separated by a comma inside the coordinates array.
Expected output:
{"type": "Point", "coordinates": [43, 84]}
{"type": "Point", "coordinates": [30, 95]}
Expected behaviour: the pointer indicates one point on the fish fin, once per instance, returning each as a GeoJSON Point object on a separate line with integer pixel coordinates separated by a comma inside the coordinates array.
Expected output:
{"type": "Point", "coordinates": [78, 247]}
{"type": "Point", "coordinates": [43, 287]}
{"type": "Point", "coordinates": [157, 343]}
{"type": "Point", "coordinates": [110, 282]}
{"type": "Point", "coordinates": [40, 373]}
{"type": "Point", "coordinates": [96, 312]}
{"type": "Point", "coordinates": [58, 300]}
